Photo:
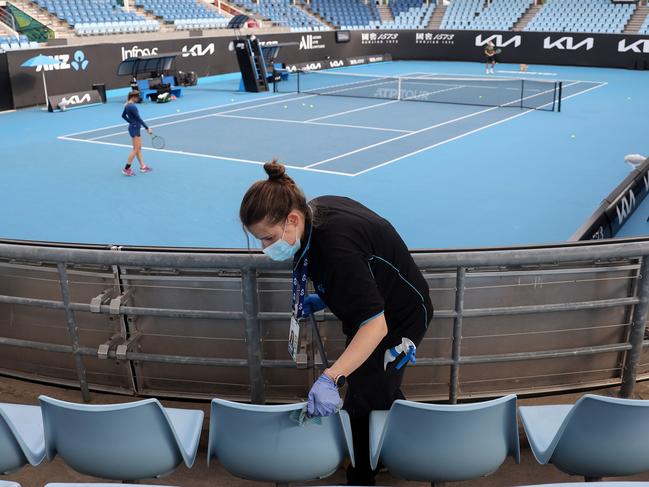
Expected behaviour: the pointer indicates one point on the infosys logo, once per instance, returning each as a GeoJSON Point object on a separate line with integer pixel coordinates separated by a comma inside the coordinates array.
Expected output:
{"type": "Point", "coordinates": [137, 51]}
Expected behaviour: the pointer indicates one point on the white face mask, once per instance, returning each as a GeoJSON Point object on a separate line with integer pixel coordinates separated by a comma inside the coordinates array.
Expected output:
{"type": "Point", "coordinates": [281, 250]}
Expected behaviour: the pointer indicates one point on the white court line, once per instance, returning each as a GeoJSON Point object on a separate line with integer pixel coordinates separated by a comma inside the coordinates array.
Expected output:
{"type": "Point", "coordinates": [529, 110]}
{"type": "Point", "coordinates": [409, 135]}
{"type": "Point", "coordinates": [197, 118]}
{"type": "Point", "coordinates": [177, 115]}
{"type": "Point", "coordinates": [482, 76]}
{"type": "Point", "coordinates": [208, 156]}
{"type": "Point", "coordinates": [314, 123]}
{"type": "Point", "coordinates": [7, 111]}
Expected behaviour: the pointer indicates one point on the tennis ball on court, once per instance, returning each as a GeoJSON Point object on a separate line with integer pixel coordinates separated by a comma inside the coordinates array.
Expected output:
{"type": "Point", "coordinates": [310, 106]}
{"type": "Point", "coordinates": [285, 106]}
{"type": "Point", "coordinates": [628, 97]}
{"type": "Point", "coordinates": [177, 110]}
{"type": "Point", "coordinates": [573, 136]}
{"type": "Point", "coordinates": [231, 99]}
{"type": "Point", "coordinates": [303, 104]}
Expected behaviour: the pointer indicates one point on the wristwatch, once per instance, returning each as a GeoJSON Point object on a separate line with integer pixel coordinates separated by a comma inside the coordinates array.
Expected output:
{"type": "Point", "coordinates": [339, 379]}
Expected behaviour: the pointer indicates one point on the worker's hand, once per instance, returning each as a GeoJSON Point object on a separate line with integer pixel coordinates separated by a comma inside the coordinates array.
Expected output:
{"type": "Point", "coordinates": [149, 131]}
{"type": "Point", "coordinates": [312, 304]}
{"type": "Point", "coordinates": [324, 399]}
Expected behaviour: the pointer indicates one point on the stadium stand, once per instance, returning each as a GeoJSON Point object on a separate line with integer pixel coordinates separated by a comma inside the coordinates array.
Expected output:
{"type": "Point", "coordinates": [90, 17]}
{"type": "Point", "coordinates": [408, 14]}
{"type": "Point", "coordinates": [592, 16]}
{"type": "Point", "coordinates": [282, 12]}
{"type": "Point", "coordinates": [475, 14]}
{"type": "Point", "coordinates": [184, 14]}
{"type": "Point", "coordinates": [10, 43]}
{"type": "Point", "coordinates": [346, 14]}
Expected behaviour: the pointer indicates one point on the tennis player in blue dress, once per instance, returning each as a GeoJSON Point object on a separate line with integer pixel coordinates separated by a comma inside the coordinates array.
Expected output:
{"type": "Point", "coordinates": [135, 124]}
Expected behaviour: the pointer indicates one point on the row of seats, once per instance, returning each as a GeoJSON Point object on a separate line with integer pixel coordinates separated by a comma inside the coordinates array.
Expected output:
{"type": "Point", "coordinates": [178, 10]}
{"type": "Point", "coordinates": [14, 44]}
{"type": "Point", "coordinates": [345, 12]}
{"type": "Point", "coordinates": [97, 28]}
{"type": "Point", "coordinates": [596, 437]}
{"type": "Point", "coordinates": [593, 16]}
{"type": "Point", "coordinates": [88, 11]}
{"type": "Point", "coordinates": [201, 23]}
{"type": "Point", "coordinates": [475, 14]}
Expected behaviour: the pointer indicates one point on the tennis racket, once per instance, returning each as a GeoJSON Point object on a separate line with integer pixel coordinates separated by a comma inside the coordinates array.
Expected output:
{"type": "Point", "coordinates": [157, 142]}
{"type": "Point", "coordinates": [498, 51]}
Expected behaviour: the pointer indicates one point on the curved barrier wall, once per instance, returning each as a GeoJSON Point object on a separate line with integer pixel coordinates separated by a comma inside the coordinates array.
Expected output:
{"type": "Point", "coordinates": [185, 323]}
{"type": "Point", "coordinates": [81, 66]}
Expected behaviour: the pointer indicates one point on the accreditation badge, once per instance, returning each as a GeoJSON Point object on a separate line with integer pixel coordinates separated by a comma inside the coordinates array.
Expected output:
{"type": "Point", "coordinates": [293, 338]}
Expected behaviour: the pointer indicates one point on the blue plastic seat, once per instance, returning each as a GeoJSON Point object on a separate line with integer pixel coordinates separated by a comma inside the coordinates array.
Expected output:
{"type": "Point", "coordinates": [264, 443]}
{"type": "Point", "coordinates": [597, 437]}
{"type": "Point", "coordinates": [6, 483]}
{"type": "Point", "coordinates": [129, 441]}
{"type": "Point", "coordinates": [21, 436]}
{"type": "Point", "coordinates": [442, 442]}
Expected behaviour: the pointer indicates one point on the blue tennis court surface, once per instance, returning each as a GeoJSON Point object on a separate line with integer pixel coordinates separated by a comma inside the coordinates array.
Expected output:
{"type": "Point", "coordinates": [446, 175]}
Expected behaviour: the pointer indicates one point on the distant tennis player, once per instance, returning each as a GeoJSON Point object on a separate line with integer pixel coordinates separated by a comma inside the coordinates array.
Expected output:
{"type": "Point", "coordinates": [135, 123]}
{"type": "Point", "coordinates": [490, 57]}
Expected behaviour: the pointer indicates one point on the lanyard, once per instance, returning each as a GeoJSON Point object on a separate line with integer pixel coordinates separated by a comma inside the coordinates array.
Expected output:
{"type": "Point", "coordinates": [300, 274]}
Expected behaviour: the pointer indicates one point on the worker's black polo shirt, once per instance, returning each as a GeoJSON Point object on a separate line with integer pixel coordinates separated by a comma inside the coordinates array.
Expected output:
{"type": "Point", "coordinates": [361, 267]}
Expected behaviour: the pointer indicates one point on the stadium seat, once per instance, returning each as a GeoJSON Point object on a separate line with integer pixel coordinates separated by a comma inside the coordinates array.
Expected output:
{"type": "Point", "coordinates": [444, 442]}
{"type": "Point", "coordinates": [266, 443]}
{"type": "Point", "coordinates": [597, 437]}
{"type": "Point", "coordinates": [21, 436]}
{"type": "Point", "coordinates": [66, 484]}
{"type": "Point", "coordinates": [127, 442]}
{"type": "Point", "coordinates": [6, 483]}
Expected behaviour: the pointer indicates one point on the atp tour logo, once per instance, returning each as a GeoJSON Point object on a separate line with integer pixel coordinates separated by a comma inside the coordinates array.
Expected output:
{"type": "Point", "coordinates": [638, 46]}
{"type": "Point", "coordinates": [137, 51]}
{"type": "Point", "coordinates": [568, 43]}
{"type": "Point", "coordinates": [79, 62]}
{"type": "Point", "coordinates": [384, 38]}
{"type": "Point", "coordinates": [198, 50]}
{"type": "Point", "coordinates": [430, 38]}
{"type": "Point", "coordinates": [498, 40]}
{"type": "Point", "coordinates": [311, 41]}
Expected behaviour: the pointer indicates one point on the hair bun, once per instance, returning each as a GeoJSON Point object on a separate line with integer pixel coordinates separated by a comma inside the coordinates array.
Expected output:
{"type": "Point", "coordinates": [275, 170]}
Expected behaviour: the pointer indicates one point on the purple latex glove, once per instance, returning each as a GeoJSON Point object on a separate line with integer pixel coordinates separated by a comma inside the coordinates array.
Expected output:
{"type": "Point", "coordinates": [324, 398]}
{"type": "Point", "coordinates": [312, 304]}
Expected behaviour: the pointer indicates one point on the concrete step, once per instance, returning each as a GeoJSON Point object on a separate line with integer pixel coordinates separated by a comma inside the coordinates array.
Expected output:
{"type": "Point", "coordinates": [526, 18]}
{"type": "Point", "coordinates": [436, 20]}
{"type": "Point", "coordinates": [636, 20]}
{"type": "Point", "coordinates": [386, 14]}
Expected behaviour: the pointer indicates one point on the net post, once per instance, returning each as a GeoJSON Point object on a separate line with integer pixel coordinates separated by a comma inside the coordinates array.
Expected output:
{"type": "Point", "coordinates": [559, 101]}
{"type": "Point", "coordinates": [398, 87]}
{"type": "Point", "coordinates": [298, 80]}
{"type": "Point", "coordinates": [522, 92]}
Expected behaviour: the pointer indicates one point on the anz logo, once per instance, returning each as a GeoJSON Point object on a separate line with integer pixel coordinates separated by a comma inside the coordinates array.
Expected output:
{"type": "Point", "coordinates": [76, 100]}
{"type": "Point", "coordinates": [638, 46]}
{"type": "Point", "coordinates": [568, 43]}
{"type": "Point", "coordinates": [199, 50]}
{"type": "Point", "coordinates": [498, 40]}
{"type": "Point", "coordinates": [79, 62]}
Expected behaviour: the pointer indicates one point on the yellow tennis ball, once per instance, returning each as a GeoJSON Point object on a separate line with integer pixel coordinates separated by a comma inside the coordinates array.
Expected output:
{"type": "Point", "coordinates": [573, 136]}
{"type": "Point", "coordinates": [177, 110]}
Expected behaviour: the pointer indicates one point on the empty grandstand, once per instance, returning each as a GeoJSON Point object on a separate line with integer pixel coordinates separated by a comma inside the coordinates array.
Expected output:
{"type": "Point", "coordinates": [476, 14]}
{"type": "Point", "coordinates": [184, 14]}
{"type": "Point", "coordinates": [593, 16]}
{"type": "Point", "coordinates": [11, 43]}
{"type": "Point", "coordinates": [408, 14]}
{"type": "Point", "coordinates": [283, 13]}
{"type": "Point", "coordinates": [347, 14]}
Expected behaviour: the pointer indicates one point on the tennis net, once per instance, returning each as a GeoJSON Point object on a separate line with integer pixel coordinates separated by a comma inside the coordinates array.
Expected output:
{"type": "Point", "coordinates": [494, 92]}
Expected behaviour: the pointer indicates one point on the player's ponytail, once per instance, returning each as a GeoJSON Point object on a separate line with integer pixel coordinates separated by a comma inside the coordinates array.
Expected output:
{"type": "Point", "coordinates": [272, 199]}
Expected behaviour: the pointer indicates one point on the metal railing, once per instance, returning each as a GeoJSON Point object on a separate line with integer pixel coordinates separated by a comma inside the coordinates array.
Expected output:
{"type": "Point", "coordinates": [600, 281]}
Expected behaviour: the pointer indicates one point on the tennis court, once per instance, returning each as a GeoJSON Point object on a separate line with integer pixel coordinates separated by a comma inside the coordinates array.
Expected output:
{"type": "Point", "coordinates": [446, 174]}
{"type": "Point", "coordinates": [374, 120]}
